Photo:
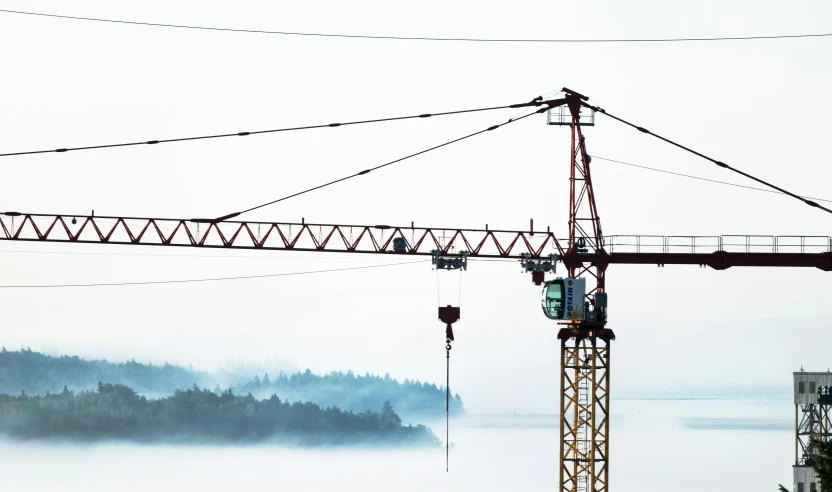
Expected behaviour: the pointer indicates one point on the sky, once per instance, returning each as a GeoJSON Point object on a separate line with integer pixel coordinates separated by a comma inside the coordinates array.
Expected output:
{"type": "Point", "coordinates": [761, 106]}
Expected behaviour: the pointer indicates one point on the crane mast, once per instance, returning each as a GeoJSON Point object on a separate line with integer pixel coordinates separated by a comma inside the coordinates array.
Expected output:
{"type": "Point", "coordinates": [585, 340]}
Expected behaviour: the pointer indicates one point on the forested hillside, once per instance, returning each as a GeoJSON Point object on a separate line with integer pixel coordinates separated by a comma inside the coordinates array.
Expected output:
{"type": "Point", "coordinates": [196, 415]}
{"type": "Point", "coordinates": [36, 374]}
{"type": "Point", "coordinates": [356, 392]}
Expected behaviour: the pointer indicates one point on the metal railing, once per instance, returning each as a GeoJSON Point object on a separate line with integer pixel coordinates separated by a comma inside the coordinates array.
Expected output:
{"type": "Point", "coordinates": [709, 244]}
{"type": "Point", "coordinates": [562, 116]}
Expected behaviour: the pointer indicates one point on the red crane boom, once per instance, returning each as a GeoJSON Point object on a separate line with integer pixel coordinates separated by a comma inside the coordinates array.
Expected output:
{"type": "Point", "coordinates": [717, 252]}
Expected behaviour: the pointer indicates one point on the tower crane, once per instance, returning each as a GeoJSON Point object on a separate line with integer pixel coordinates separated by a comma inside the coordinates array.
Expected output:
{"type": "Point", "coordinates": [577, 302]}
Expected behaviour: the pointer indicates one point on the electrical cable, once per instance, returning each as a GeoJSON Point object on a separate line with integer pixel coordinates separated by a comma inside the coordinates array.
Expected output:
{"type": "Point", "coordinates": [189, 257]}
{"type": "Point", "coordinates": [699, 178]}
{"type": "Point", "coordinates": [366, 171]}
{"type": "Point", "coordinates": [215, 279]}
{"type": "Point", "coordinates": [535, 102]}
{"type": "Point", "coordinates": [423, 38]}
{"type": "Point", "coordinates": [703, 156]}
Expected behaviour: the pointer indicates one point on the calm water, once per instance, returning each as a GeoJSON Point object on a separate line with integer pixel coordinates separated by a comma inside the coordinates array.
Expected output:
{"type": "Point", "coordinates": [653, 449]}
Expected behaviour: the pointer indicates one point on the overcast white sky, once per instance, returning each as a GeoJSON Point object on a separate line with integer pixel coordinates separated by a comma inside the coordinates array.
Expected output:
{"type": "Point", "coordinates": [761, 106]}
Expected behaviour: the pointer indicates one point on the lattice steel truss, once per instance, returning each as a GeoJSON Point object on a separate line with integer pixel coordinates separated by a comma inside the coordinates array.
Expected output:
{"type": "Point", "coordinates": [367, 239]}
{"type": "Point", "coordinates": [813, 421]}
{"type": "Point", "coordinates": [303, 236]}
{"type": "Point", "coordinates": [585, 345]}
{"type": "Point", "coordinates": [584, 420]}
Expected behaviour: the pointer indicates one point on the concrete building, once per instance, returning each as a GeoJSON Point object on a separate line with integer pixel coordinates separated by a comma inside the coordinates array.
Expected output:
{"type": "Point", "coordinates": [812, 402]}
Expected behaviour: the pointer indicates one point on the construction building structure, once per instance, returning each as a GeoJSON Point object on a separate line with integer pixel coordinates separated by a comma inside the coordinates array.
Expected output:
{"type": "Point", "coordinates": [812, 402]}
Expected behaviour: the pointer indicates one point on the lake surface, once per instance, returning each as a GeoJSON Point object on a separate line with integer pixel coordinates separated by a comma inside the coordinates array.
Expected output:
{"type": "Point", "coordinates": [656, 445]}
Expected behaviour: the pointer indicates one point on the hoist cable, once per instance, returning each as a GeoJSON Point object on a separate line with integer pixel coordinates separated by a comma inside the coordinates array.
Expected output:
{"type": "Point", "coordinates": [421, 38]}
{"type": "Point", "coordinates": [811, 203]}
{"type": "Point", "coordinates": [536, 102]}
{"type": "Point", "coordinates": [438, 290]}
{"type": "Point", "coordinates": [459, 297]}
{"type": "Point", "coordinates": [447, 404]}
{"type": "Point", "coordinates": [366, 171]}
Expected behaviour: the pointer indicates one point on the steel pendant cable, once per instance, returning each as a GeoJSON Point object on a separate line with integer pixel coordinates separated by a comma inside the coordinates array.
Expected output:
{"type": "Point", "coordinates": [534, 103]}
{"type": "Point", "coordinates": [546, 105]}
{"type": "Point", "coordinates": [721, 164]}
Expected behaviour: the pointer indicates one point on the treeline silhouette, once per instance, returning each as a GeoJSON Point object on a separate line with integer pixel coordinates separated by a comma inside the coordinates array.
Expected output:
{"type": "Point", "coordinates": [356, 392]}
{"type": "Point", "coordinates": [115, 411]}
{"type": "Point", "coordinates": [37, 373]}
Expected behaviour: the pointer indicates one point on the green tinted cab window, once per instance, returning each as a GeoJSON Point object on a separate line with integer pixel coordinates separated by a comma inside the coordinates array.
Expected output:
{"type": "Point", "coordinates": [554, 300]}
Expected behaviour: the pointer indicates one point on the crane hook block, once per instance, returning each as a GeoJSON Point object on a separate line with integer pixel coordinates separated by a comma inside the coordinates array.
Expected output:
{"type": "Point", "coordinates": [449, 315]}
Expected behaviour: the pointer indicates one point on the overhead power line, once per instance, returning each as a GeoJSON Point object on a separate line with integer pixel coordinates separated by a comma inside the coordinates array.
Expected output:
{"type": "Point", "coordinates": [721, 164]}
{"type": "Point", "coordinates": [215, 279]}
{"type": "Point", "coordinates": [367, 171]}
{"type": "Point", "coordinates": [535, 102]}
{"type": "Point", "coordinates": [316, 258]}
{"type": "Point", "coordinates": [426, 38]}
{"type": "Point", "coordinates": [700, 178]}
{"type": "Point", "coordinates": [186, 256]}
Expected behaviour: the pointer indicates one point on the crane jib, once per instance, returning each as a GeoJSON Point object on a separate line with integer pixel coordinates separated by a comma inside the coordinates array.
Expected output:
{"type": "Point", "coordinates": [791, 251]}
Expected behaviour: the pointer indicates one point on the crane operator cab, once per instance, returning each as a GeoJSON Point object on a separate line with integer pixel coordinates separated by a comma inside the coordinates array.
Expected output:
{"type": "Point", "coordinates": [564, 299]}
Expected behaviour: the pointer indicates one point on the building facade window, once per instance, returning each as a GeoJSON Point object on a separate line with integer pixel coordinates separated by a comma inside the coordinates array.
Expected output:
{"type": "Point", "coordinates": [800, 485]}
{"type": "Point", "coordinates": [813, 487]}
{"type": "Point", "coordinates": [801, 387]}
{"type": "Point", "coordinates": [812, 387]}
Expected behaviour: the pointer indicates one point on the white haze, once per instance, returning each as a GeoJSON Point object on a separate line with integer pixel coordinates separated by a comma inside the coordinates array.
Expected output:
{"type": "Point", "coordinates": [650, 451]}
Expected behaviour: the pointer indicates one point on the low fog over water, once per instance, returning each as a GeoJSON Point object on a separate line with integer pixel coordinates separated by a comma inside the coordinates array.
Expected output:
{"type": "Point", "coordinates": [654, 448]}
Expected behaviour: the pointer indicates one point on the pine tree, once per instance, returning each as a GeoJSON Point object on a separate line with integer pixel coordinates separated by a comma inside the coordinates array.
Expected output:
{"type": "Point", "coordinates": [389, 419]}
{"type": "Point", "coordinates": [823, 463]}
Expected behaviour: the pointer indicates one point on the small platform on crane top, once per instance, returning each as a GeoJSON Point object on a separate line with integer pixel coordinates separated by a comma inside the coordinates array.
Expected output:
{"type": "Point", "coordinates": [586, 330]}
